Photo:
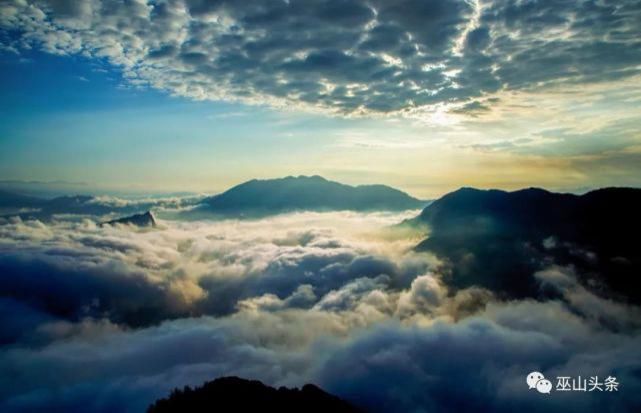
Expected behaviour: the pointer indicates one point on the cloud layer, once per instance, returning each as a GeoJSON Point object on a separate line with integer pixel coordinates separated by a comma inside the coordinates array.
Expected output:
{"type": "Point", "coordinates": [340, 55]}
{"type": "Point", "coordinates": [75, 269]}
{"type": "Point", "coordinates": [108, 319]}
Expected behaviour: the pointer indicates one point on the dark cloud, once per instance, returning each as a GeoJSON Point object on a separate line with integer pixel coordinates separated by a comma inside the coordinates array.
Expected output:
{"type": "Point", "coordinates": [19, 319]}
{"type": "Point", "coordinates": [478, 365]}
{"type": "Point", "coordinates": [72, 286]}
{"type": "Point", "coordinates": [477, 40]}
{"type": "Point", "coordinates": [130, 374]}
{"type": "Point", "coordinates": [347, 56]}
{"type": "Point", "coordinates": [551, 41]}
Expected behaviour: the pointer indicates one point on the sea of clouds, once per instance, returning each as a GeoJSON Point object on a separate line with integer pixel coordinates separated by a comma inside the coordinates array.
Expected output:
{"type": "Point", "coordinates": [110, 318]}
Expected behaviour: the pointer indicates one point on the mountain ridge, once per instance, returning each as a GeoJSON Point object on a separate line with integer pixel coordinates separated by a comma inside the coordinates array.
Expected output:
{"type": "Point", "coordinates": [237, 394]}
{"type": "Point", "coordinates": [260, 197]}
{"type": "Point", "coordinates": [498, 239]}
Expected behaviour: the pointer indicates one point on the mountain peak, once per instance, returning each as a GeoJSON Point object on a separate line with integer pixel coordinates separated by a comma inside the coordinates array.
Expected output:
{"type": "Point", "coordinates": [304, 193]}
{"type": "Point", "coordinates": [236, 394]}
{"type": "Point", "coordinates": [146, 219]}
{"type": "Point", "coordinates": [305, 178]}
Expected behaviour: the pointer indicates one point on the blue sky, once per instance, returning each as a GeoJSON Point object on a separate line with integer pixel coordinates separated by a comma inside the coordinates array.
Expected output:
{"type": "Point", "coordinates": [66, 115]}
{"type": "Point", "coordinates": [427, 96]}
{"type": "Point", "coordinates": [76, 120]}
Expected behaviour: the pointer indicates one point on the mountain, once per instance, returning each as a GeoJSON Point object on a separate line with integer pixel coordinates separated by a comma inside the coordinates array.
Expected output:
{"type": "Point", "coordinates": [498, 239]}
{"type": "Point", "coordinates": [140, 220]}
{"type": "Point", "coordinates": [44, 209]}
{"type": "Point", "coordinates": [16, 200]}
{"type": "Point", "coordinates": [252, 199]}
{"type": "Point", "coordinates": [233, 394]}
{"type": "Point", "coordinates": [29, 207]}
{"type": "Point", "coordinates": [257, 198]}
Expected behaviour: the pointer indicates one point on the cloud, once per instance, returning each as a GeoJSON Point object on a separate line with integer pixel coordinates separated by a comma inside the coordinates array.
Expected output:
{"type": "Point", "coordinates": [126, 373]}
{"type": "Point", "coordinates": [339, 55]}
{"type": "Point", "coordinates": [109, 319]}
{"type": "Point", "coordinates": [480, 364]}
{"type": "Point", "coordinates": [425, 294]}
{"type": "Point", "coordinates": [605, 311]}
{"type": "Point", "coordinates": [73, 270]}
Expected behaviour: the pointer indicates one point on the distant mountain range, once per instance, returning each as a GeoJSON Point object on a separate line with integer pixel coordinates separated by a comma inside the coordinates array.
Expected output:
{"type": "Point", "coordinates": [233, 394]}
{"type": "Point", "coordinates": [31, 207]}
{"type": "Point", "coordinates": [15, 200]}
{"type": "Point", "coordinates": [258, 198]}
{"type": "Point", "coordinates": [41, 208]}
{"type": "Point", "coordinates": [497, 239]}
{"type": "Point", "coordinates": [252, 199]}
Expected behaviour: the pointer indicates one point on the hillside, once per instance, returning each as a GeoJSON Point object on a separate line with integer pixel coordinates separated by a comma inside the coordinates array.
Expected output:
{"type": "Point", "coordinates": [229, 394]}
{"type": "Point", "coordinates": [498, 239]}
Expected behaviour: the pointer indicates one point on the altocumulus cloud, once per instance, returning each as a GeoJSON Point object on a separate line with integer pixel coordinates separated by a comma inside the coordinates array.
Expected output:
{"type": "Point", "coordinates": [399, 56]}
{"type": "Point", "coordinates": [108, 319]}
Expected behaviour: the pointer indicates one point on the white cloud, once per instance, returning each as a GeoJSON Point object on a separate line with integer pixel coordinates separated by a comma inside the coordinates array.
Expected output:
{"type": "Point", "coordinates": [371, 53]}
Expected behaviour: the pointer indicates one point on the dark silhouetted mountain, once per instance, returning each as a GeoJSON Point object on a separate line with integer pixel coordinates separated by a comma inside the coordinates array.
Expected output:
{"type": "Point", "coordinates": [140, 220]}
{"type": "Point", "coordinates": [233, 394]}
{"type": "Point", "coordinates": [257, 198]}
{"type": "Point", "coordinates": [498, 239]}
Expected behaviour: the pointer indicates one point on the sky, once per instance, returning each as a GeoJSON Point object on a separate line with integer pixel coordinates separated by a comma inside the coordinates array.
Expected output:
{"type": "Point", "coordinates": [426, 96]}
